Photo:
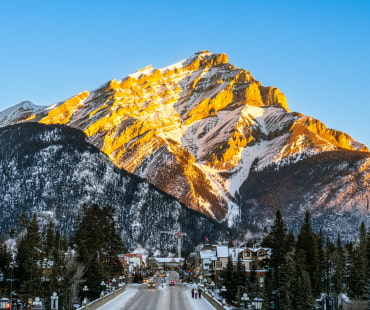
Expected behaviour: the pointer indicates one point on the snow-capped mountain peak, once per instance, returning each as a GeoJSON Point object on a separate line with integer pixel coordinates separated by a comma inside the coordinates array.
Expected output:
{"type": "Point", "coordinates": [204, 131]}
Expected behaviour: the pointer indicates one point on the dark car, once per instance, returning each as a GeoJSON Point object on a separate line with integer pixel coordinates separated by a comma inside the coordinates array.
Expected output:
{"type": "Point", "coordinates": [172, 283]}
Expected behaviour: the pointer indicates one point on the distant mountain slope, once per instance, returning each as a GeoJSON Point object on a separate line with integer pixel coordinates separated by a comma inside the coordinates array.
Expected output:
{"type": "Point", "coordinates": [334, 186]}
{"type": "Point", "coordinates": [205, 131]}
{"type": "Point", "coordinates": [53, 170]}
{"type": "Point", "coordinates": [19, 113]}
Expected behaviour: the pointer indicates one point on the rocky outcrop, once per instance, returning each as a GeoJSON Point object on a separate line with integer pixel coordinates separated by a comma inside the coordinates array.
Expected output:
{"type": "Point", "coordinates": [198, 130]}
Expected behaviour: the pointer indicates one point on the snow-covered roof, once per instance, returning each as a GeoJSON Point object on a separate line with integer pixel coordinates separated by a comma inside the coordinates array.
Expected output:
{"type": "Point", "coordinates": [222, 251]}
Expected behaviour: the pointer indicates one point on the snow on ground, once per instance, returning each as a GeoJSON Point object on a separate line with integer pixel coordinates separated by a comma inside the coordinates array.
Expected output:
{"type": "Point", "coordinates": [121, 300]}
{"type": "Point", "coordinates": [197, 304]}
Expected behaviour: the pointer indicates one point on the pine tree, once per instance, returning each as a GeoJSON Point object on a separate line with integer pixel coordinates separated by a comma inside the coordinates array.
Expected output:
{"type": "Point", "coordinates": [228, 280]}
{"type": "Point", "coordinates": [28, 259]}
{"type": "Point", "coordinates": [280, 243]}
{"type": "Point", "coordinates": [98, 245]}
{"type": "Point", "coordinates": [339, 267]}
{"type": "Point", "coordinates": [302, 290]}
{"type": "Point", "coordinates": [49, 240]}
{"type": "Point", "coordinates": [359, 266]}
{"type": "Point", "coordinates": [307, 243]}
{"type": "Point", "coordinates": [240, 275]}
{"type": "Point", "coordinates": [5, 260]}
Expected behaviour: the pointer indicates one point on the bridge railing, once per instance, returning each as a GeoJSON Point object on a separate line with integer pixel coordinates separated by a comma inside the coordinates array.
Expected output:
{"type": "Point", "coordinates": [103, 300]}
{"type": "Point", "coordinates": [213, 301]}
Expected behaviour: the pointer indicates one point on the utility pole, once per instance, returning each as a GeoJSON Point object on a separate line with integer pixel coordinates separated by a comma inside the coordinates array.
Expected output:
{"type": "Point", "coordinates": [179, 236]}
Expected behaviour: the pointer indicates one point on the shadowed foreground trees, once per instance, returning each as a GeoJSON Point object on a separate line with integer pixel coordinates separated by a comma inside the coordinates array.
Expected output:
{"type": "Point", "coordinates": [301, 269]}
{"type": "Point", "coordinates": [41, 261]}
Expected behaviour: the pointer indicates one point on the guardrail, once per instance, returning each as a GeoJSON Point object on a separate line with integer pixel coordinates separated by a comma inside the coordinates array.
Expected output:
{"type": "Point", "coordinates": [103, 300]}
{"type": "Point", "coordinates": [213, 301]}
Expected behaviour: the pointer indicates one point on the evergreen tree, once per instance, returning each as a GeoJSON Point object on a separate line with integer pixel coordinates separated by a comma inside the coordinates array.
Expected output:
{"type": "Point", "coordinates": [49, 239]}
{"type": "Point", "coordinates": [280, 243]}
{"type": "Point", "coordinates": [240, 275]}
{"type": "Point", "coordinates": [5, 260]}
{"type": "Point", "coordinates": [302, 290]}
{"type": "Point", "coordinates": [359, 266]}
{"type": "Point", "coordinates": [98, 245]}
{"type": "Point", "coordinates": [339, 267]}
{"type": "Point", "coordinates": [28, 259]}
{"type": "Point", "coordinates": [228, 280]}
{"type": "Point", "coordinates": [307, 244]}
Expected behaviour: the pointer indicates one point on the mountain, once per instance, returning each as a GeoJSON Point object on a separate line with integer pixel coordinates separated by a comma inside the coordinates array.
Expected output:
{"type": "Point", "coordinates": [18, 113]}
{"type": "Point", "coordinates": [52, 171]}
{"type": "Point", "coordinates": [209, 134]}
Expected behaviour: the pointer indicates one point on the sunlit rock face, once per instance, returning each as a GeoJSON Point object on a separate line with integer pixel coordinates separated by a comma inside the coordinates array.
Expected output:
{"type": "Point", "coordinates": [199, 130]}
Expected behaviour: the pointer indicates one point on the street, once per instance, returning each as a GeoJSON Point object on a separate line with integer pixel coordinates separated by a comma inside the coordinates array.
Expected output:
{"type": "Point", "coordinates": [162, 297]}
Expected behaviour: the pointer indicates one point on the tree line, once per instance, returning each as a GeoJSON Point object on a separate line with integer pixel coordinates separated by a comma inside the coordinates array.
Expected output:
{"type": "Point", "coordinates": [37, 261]}
{"type": "Point", "coordinates": [304, 268]}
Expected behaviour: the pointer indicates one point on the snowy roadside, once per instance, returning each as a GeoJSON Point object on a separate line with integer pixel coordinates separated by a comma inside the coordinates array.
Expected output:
{"type": "Point", "coordinates": [196, 304]}
{"type": "Point", "coordinates": [122, 299]}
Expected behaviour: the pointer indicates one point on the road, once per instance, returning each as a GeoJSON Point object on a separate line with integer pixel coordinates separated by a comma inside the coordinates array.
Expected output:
{"type": "Point", "coordinates": [163, 297]}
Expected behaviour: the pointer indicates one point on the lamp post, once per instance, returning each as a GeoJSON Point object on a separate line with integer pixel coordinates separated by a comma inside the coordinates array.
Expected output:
{"type": "Point", "coordinates": [223, 290]}
{"type": "Point", "coordinates": [245, 299]}
{"type": "Point", "coordinates": [54, 301]}
{"type": "Point", "coordinates": [257, 303]}
{"type": "Point", "coordinates": [212, 286]}
{"type": "Point", "coordinates": [102, 284]}
{"type": "Point", "coordinates": [85, 289]}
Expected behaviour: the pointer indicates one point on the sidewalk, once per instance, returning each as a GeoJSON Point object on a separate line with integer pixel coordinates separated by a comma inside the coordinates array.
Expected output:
{"type": "Point", "coordinates": [197, 304]}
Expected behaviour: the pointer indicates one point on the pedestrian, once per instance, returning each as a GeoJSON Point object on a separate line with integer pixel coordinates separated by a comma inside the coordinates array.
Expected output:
{"type": "Point", "coordinates": [192, 293]}
{"type": "Point", "coordinates": [200, 293]}
{"type": "Point", "coordinates": [196, 294]}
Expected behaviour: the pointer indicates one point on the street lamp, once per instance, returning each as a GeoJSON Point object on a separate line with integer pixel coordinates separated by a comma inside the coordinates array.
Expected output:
{"type": "Point", "coordinates": [85, 290]}
{"type": "Point", "coordinates": [54, 301]}
{"type": "Point", "coordinates": [223, 290]}
{"type": "Point", "coordinates": [245, 298]}
{"type": "Point", "coordinates": [102, 284]}
{"type": "Point", "coordinates": [205, 283]}
{"type": "Point", "coordinates": [257, 303]}
{"type": "Point", "coordinates": [212, 286]}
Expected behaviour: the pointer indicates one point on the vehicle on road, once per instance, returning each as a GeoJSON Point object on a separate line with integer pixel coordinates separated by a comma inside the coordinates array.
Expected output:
{"type": "Point", "coordinates": [151, 284]}
{"type": "Point", "coordinates": [172, 283]}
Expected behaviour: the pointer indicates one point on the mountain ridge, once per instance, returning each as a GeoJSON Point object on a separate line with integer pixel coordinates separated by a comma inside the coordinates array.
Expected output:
{"type": "Point", "coordinates": [51, 171]}
{"type": "Point", "coordinates": [198, 130]}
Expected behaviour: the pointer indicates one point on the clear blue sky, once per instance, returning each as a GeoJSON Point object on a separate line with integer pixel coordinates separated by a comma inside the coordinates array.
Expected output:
{"type": "Point", "coordinates": [316, 52]}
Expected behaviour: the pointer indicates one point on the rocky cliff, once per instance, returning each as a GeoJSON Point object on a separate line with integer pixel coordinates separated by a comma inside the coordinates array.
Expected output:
{"type": "Point", "coordinates": [205, 131]}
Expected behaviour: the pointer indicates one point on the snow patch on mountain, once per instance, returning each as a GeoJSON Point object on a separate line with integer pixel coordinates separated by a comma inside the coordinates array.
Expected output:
{"type": "Point", "coordinates": [18, 112]}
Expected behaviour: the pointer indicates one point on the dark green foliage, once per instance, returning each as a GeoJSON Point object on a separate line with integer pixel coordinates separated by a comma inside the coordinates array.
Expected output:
{"type": "Point", "coordinates": [307, 245]}
{"type": "Point", "coordinates": [228, 280]}
{"type": "Point", "coordinates": [279, 242]}
{"type": "Point", "coordinates": [29, 258]}
{"type": "Point", "coordinates": [5, 272]}
{"type": "Point", "coordinates": [303, 298]}
{"type": "Point", "coordinates": [98, 245]}
{"type": "Point", "coordinates": [358, 277]}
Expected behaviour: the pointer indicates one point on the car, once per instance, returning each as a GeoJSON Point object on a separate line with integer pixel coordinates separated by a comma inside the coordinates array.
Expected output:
{"type": "Point", "coordinates": [172, 283]}
{"type": "Point", "coordinates": [151, 284]}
